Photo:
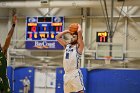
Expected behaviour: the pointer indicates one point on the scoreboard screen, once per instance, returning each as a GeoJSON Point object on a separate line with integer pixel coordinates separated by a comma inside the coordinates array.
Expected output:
{"type": "Point", "coordinates": [41, 32]}
{"type": "Point", "coordinates": [102, 37]}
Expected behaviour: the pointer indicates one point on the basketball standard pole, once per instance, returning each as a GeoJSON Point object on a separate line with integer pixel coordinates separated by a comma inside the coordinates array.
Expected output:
{"type": "Point", "coordinates": [111, 26]}
{"type": "Point", "coordinates": [84, 20]}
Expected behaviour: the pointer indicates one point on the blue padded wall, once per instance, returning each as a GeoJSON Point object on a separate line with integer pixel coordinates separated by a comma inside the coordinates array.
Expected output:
{"type": "Point", "coordinates": [113, 81]}
{"type": "Point", "coordinates": [59, 79]}
{"type": "Point", "coordinates": [19, 75]}
{"type": "Point", "coordinates": [85, 76]}
{"type": "Point", "coordinates": [10, 76]}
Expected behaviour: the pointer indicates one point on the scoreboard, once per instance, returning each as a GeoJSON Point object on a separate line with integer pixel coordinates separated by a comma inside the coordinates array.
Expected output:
{"type": "Point", "coordinates": [41, 32]}
{"type": "Point", "coordinates": [102, 36]}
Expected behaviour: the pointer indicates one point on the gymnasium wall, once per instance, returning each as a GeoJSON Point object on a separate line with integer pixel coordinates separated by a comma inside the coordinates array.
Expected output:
{"type": "Point", "coordinates": [73, 15]}
{"type": "Point", "coordinates": [113, 81]}
{"type": "Point", "coordinates": [105, 80]}
{"type": "Point", "coordinates": [42, 81]}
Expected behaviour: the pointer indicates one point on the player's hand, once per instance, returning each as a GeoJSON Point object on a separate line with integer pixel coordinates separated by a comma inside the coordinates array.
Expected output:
{"type": "Point", "coordinates": [79, 28]}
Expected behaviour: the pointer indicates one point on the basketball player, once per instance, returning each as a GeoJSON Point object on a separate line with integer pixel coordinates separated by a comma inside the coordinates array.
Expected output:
{"type": "Point", "coordinates": [26, 84]}
{"type": "Point", "coordinates": [73, 81]}
{"type": "Point", "coordinates": [4, 82]}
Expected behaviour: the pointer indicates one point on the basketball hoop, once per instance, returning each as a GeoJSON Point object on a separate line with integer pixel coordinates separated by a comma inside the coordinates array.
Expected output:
{"type": "Point", "coordinates": [107, 59]}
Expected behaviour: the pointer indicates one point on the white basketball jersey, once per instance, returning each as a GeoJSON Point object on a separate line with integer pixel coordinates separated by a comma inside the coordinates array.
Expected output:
{"type": "Point", "coordinates": [71, 60]}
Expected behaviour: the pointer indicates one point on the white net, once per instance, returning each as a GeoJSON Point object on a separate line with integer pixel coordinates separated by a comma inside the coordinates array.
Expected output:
{"type": "Point", "coordinates": [108, 59]}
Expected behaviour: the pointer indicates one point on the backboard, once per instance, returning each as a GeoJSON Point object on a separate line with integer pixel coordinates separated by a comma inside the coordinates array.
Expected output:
{"type": "Point", "coordinates": [115, 51]}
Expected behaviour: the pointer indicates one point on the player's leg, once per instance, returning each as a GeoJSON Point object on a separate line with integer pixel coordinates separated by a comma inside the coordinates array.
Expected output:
{"type": "Point", "coordinates": [78, 92]}
{"type": "Point", "coordinates": [5, 80]}
{"type": "Point", "coordinates": [68, 87]}
{"type": "Point", "coordinates": [67, 84]}
{"type": "Point", "coordinates": [1, 78]}
{"type": "Point", "coordinates": [81, 91]}
{"type": "Point", "coordinates": [77, 83]}
{"type": "Point", "coordinates": [6, 84]}
{"type": "Point", "coordinates": [1, 86]}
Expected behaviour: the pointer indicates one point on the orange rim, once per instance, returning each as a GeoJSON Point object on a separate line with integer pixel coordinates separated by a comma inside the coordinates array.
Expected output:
{"type": "Point", "coordinates": [108, 57]}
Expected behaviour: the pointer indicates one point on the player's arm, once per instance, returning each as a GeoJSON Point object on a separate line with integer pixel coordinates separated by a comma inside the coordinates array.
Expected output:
{"type": "Point", "coordinates": [60, 39]}
{"type": "Point", "coordinates": [8, 38]}
{"type": "Point", "coordinates": [80, 40]}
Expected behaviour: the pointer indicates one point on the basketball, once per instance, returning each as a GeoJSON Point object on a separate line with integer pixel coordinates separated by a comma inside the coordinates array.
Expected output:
{"type": "Point", "coordinates": [73, 27]}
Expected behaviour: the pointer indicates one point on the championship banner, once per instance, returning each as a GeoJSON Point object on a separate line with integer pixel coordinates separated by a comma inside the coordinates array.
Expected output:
{"type": "Point", "coordinates": [41, 32]}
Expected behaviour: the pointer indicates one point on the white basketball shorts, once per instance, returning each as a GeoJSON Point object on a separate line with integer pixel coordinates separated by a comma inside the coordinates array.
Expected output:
{"type": "Point", "coordinates": [73, 81]}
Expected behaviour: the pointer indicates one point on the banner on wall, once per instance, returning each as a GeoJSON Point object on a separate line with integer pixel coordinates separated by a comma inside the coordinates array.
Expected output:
{"type": "Point", "coordinates": [40, 79]}
{"type": "Point", "coordinates": [51, 80]}
{"type": "Point", "coordinates": [41, 32]}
